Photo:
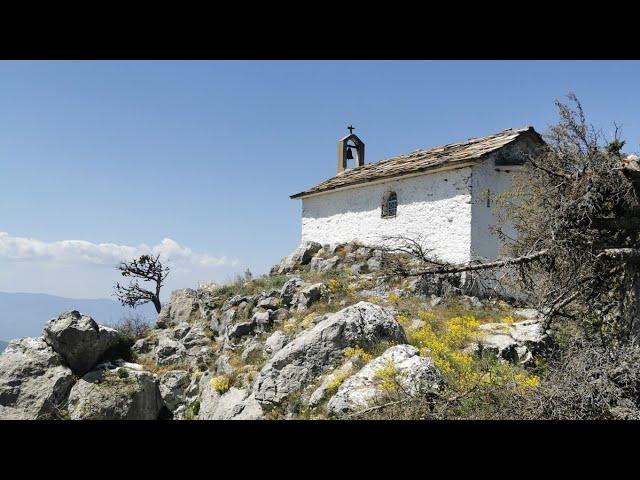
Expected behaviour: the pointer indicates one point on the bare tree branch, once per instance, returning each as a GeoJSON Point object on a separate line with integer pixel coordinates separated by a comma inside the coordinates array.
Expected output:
{"type": "Point", "coordinates": [148, 269]}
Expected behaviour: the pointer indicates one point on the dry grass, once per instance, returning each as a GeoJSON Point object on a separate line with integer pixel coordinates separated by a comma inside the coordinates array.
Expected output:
{"type": "Point", "coordinates": [156, 369]}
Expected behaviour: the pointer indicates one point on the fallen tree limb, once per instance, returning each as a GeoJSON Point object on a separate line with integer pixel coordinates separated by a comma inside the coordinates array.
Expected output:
{"type": "Point", "coordinates": [470, 267]}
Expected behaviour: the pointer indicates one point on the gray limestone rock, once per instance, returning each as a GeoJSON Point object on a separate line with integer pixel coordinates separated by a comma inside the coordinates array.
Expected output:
{"type": "Point", "coordinates": [317, 349]}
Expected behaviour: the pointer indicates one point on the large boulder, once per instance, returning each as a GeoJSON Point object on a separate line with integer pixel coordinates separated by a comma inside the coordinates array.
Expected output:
{"type": "Point", "coordinates": [34, 382]}
{"type": "Point", "coordinates": [299, 257]}
{"type": "Point", "coordinates": [222, 322]}
{"type": "Point", "coordinates": [517, 342]}
{"type": "Point", "coordinates": [318, 349]}
{"type": "Point", "coordinates": [80, 340]}
{"type": "Point", "coordinates": [234, 301]}
{"type": "Point", "coordinates": [120, 391]}
{"type": "Point", "coordinates": [410, 374]}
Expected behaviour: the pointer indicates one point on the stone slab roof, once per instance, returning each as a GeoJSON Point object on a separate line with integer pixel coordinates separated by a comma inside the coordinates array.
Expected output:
{"type": "Point", "coordinates": [452, 154]}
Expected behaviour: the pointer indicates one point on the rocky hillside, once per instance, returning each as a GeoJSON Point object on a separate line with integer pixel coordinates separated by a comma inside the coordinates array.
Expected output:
{"type": "Point", "coordinates": [325, 335]}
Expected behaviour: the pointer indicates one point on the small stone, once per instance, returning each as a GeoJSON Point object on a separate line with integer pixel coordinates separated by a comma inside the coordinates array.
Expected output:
{"type": "Point", "coordinates": [359, 268]}
{"type": "Point", "coordinates": [269, 303]}
{"type": "Point", "coordinates": [279, 316]}
{"type": "Point", "coordinates": [309, 295]}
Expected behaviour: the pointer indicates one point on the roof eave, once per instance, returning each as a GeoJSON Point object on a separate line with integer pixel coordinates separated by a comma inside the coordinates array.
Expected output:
{"type": "Point", "coordinates": [414, 173]}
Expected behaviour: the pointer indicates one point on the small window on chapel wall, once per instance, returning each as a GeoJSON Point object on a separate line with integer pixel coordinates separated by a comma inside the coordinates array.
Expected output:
{"type": "Point", "coordinates": [389, 205]}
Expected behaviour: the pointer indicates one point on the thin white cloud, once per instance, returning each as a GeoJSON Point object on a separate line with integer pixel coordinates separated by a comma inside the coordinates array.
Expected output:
{"type": "Point", "coordinates": [80, 251]}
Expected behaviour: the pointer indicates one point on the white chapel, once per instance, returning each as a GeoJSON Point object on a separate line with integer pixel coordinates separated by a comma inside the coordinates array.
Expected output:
{"type": "Point", "coordinates": [443, 195]}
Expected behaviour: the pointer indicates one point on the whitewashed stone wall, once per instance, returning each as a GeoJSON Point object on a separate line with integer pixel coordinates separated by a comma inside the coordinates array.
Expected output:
{"type": "Point", "coordinates": [487, 176]}
{"type": "Point", "coordinates": [486, 179]}
{"type": "Point", "coordinates": [448, 209]}
{"type": "Point", "coordinates": [436, 206]}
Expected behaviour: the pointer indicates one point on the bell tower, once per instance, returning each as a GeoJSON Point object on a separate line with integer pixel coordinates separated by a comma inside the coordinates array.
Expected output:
{"type": "Point", "coordinates": [345, 151]}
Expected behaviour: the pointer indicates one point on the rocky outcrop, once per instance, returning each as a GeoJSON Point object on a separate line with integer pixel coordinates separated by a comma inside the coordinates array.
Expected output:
{"type": "Point", "coordinates": [260, 321]}
{"type": "Point", "coordinates": [34, 382]}
{"type": "Point", "coordinates": [174, 388]}
{"type": "Point", "coordinates": [80, 340]}
{"type": "Point", "coordinates": [317, 349]}
{"type": "Point", "coordinates": [269, 303]}
{"type": "Point", "coordinates": [121, 391]}
{"type": "Point", "coordinates": [308, 296]}
{"type": "Point", "coordinates": [321, 265]}
{"type": "Point", "coordinates": [185, 305]}
{"type": "Point", "coordinates": [185, 345]}
{"type": "Point", "coordinates": [299, 257]}
{"type": "Point", "coordinates": [289, 289]}
{"type": "Point", "coordinates": [399, 368]}
{"type": "Point", "coordinates": [269, 346]}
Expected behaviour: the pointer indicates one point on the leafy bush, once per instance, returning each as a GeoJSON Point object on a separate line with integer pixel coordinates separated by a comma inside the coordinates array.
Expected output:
{"type": "Point", "coordinates": [194, 409]}
{"type": "Point", "coordinates": [362, 356]}
{"type": "Point", "coordinates": [220, 383]}
{"type": "Point", "coordinates": [338, 380]}
{"type": "Point", "coordinates": [290, 326]}
{"type": "Point", "coordinates": [474, 387]}
{"type": "Point", "coordinates": [133, 326]}
{"type": "Point", "coordinates": [387, 377]}
{"type": "Point", "coordinates": [394, 298]}
{"type": "Point", "coordinates": [339, 287]}
{"type": "Point", "coordinates": [308, 320]}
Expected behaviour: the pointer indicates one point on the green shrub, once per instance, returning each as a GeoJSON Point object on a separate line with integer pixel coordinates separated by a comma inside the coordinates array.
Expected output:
{"type": "Point", "coordinates": [194, 408]}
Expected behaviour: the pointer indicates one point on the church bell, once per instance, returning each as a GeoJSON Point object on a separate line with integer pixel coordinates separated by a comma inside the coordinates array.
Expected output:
{"type": "Point", "coordinates": [349, 154]}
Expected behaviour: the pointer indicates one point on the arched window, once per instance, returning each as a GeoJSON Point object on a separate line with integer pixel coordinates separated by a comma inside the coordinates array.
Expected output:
{"type": "Point", "coordinates": [389, 205]}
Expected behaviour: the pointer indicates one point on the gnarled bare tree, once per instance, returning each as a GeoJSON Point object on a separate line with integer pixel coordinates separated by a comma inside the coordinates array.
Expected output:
{"type": "Point", "coordinates": [576, 208]}
{"type": "Point", "coordinates": [148, 269]}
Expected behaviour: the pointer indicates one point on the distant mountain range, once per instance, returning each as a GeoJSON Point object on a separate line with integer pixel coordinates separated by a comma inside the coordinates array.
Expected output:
{"type": "Point", "coordinates": [24, 314]}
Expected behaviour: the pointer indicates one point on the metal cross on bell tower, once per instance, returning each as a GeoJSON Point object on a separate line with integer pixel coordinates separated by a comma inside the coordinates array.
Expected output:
{"type": "Point", "coordinates": [351, 129]}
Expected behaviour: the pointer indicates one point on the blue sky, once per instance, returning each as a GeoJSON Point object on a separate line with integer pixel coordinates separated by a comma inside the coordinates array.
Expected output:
{"type": "Point", "coordinates": [206, 153]}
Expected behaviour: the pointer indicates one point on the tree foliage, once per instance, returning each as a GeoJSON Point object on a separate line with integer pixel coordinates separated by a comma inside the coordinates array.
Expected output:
{"type": "Point", "coordinates": [575, 207]}
{"type": "Point", "coordinates": [146, 268]}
